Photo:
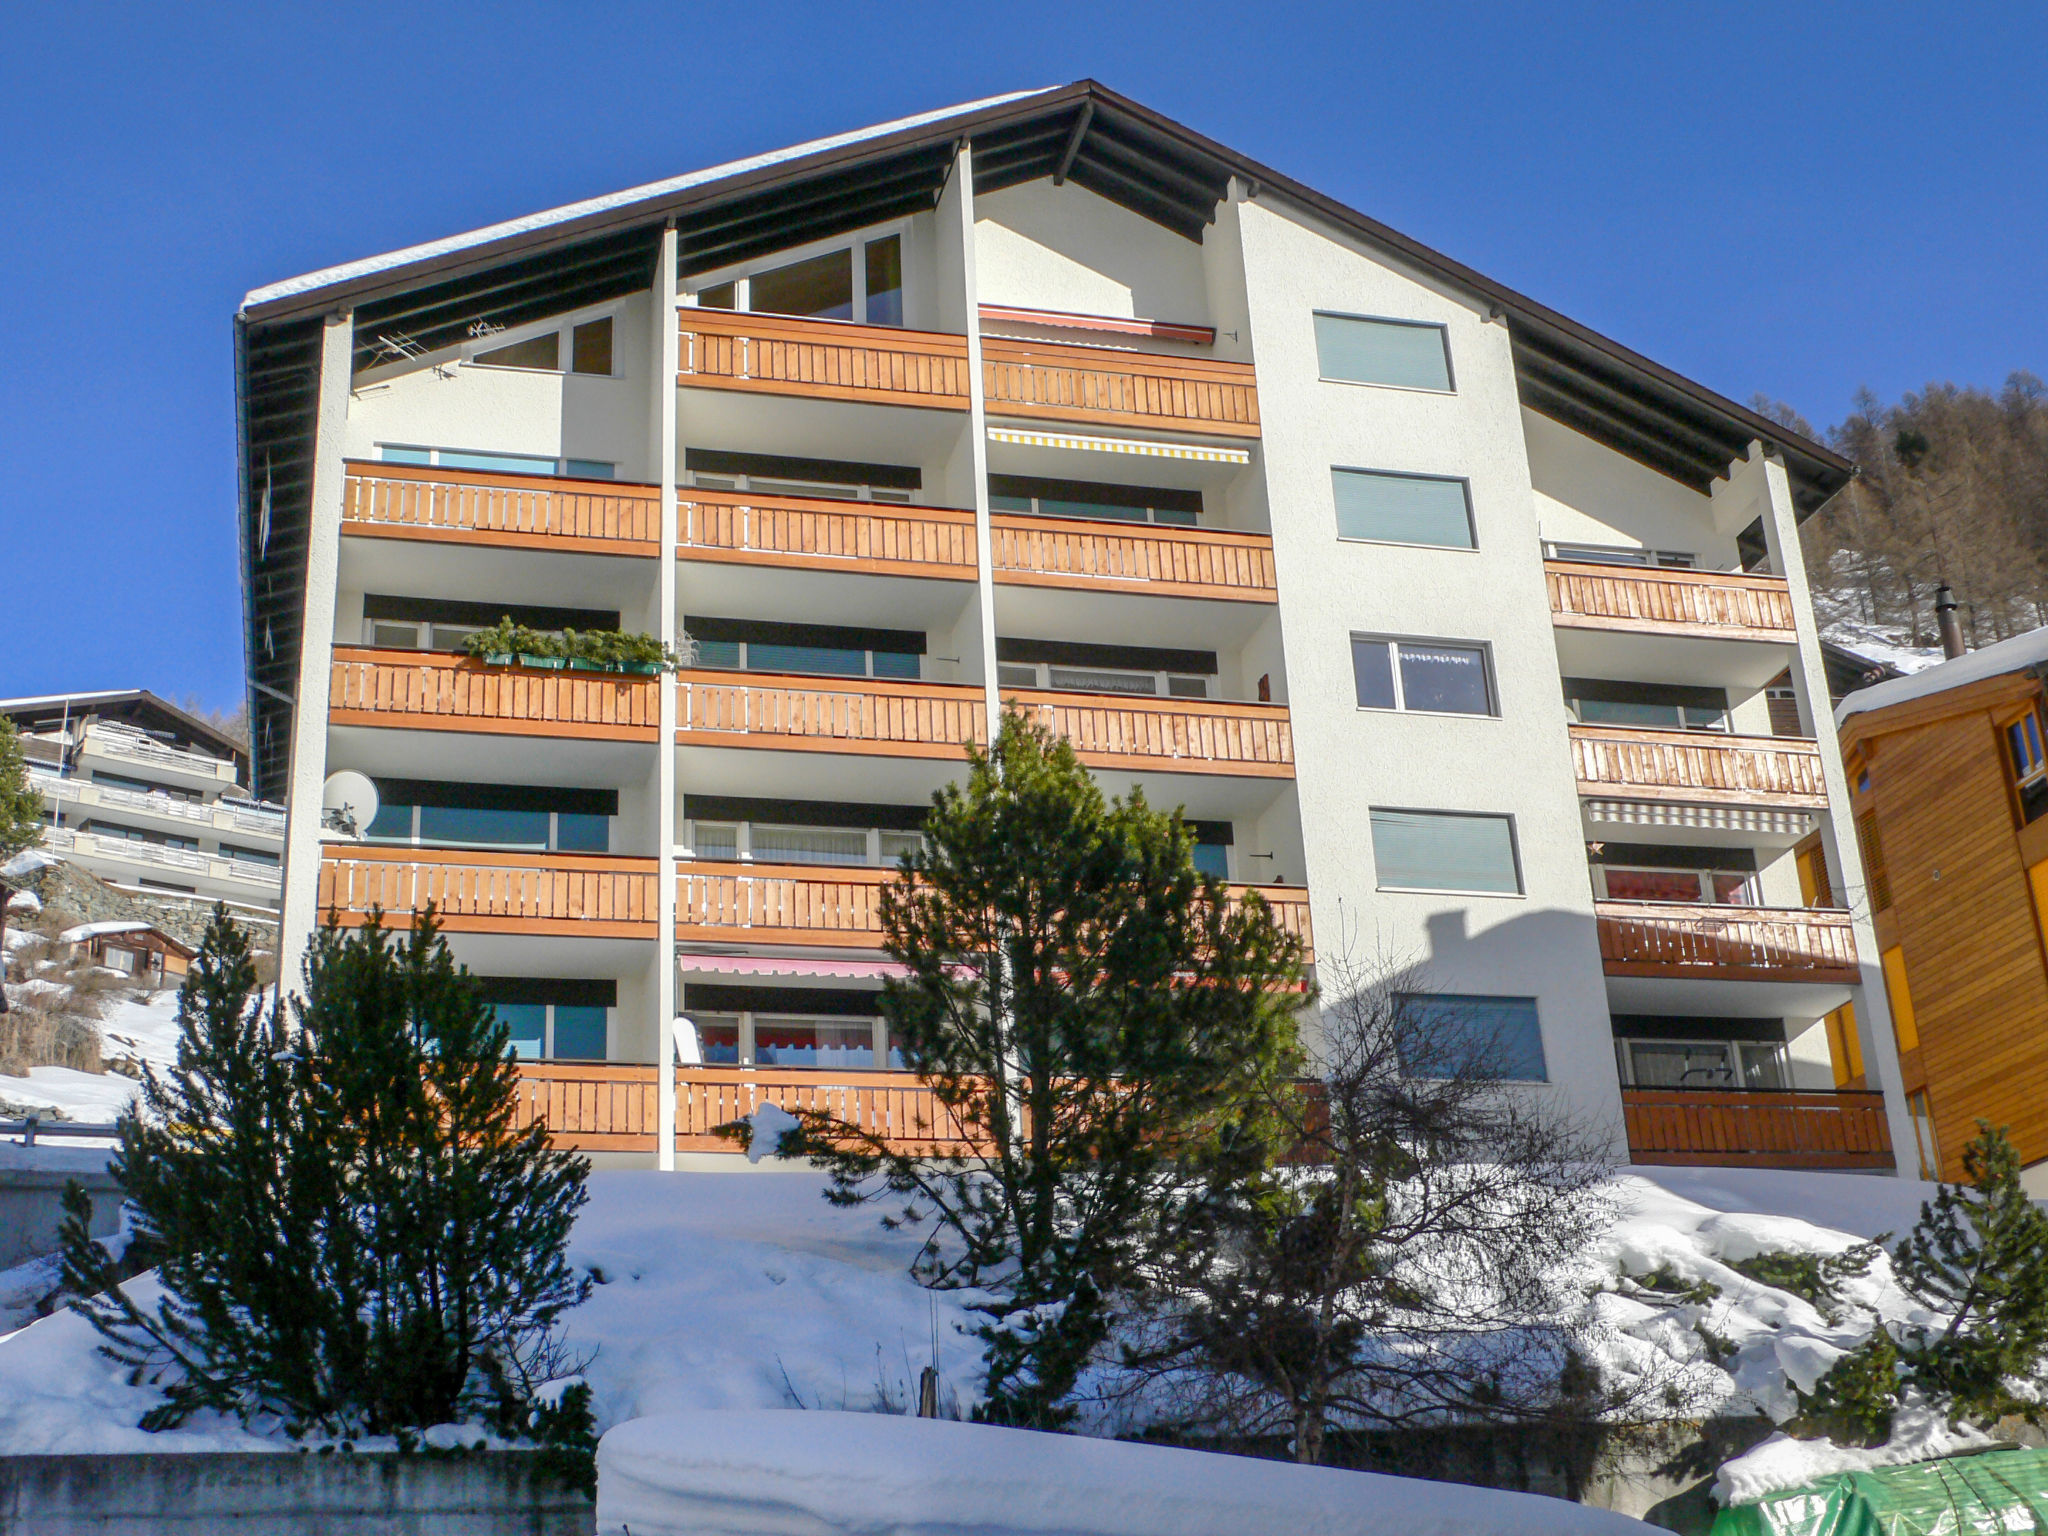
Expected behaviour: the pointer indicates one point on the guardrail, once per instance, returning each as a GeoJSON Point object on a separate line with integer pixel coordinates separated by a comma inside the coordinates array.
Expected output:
{"type": "Point", "coordinates": [1713, 604]}
{"type": "Point", "coordinates": [1757, 1129]}
{"type": "Point", "coordinates": [1699, 767]}
{"type": "Point", "coordinates": [1678, 940]}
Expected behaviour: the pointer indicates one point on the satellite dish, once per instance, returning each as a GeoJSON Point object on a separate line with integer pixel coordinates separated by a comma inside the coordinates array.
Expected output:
{"type": "Point", "coordinates": [348, 803]}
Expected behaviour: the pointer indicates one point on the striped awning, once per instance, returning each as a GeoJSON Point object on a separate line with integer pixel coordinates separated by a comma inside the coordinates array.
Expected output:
{"type": "Point", "coordinates": [1747, 819]}
{"type": "Point", "coordinates": [1205, 453]}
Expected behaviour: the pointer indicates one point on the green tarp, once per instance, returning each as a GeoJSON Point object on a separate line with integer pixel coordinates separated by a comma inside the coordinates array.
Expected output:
{"type": "Point", "coordinates": [1999, 1493]}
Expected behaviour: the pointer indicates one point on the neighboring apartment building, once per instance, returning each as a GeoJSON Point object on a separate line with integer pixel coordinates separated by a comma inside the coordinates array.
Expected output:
{"type": "Point", "coordinates": [1949, 785]}
{"type": "Point", "coordinates": [146, 796]}
{"type": "Point", "coordinates": [1448, 621]}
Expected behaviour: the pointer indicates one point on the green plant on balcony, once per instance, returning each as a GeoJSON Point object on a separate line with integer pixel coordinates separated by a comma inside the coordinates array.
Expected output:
{"type": "Point", "coordinates": [589, 650]}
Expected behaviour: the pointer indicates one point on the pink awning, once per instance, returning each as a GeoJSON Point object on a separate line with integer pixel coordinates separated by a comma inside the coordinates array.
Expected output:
{"type": "Point", "coordinates": [787, 965]}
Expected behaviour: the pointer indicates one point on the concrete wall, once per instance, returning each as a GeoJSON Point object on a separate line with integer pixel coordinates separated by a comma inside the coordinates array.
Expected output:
{"type": "Point", "coordinates": [1039, 246]}
{"type": "Point", "coordinates": [32, 1203]}
{"type": "Point", "coordinates": [1541, 943]}
{"type": "Point", "coordinates": [286, 1494]}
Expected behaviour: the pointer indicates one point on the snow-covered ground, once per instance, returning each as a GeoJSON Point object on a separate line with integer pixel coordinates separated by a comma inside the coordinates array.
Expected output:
{"type": "Point", "coordinates": [139, 1026]}
{"type": "Point", "coordinates": [745, 1290]}
{"type": "Point", "coordinates": [1881, 643]}
{"type": "Point", "coordinates": [735, 1474]}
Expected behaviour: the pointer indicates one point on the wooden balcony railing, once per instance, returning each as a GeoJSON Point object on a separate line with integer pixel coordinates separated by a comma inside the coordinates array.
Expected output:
{"type": "Point", "coordinates": [582, 895]}
{"type": "Point", "coordinates": [823, 359]}
{"type": "Point", "coordinates": [435, 691]}
{"type": "Point", "coordinates": [1709, 604]}
{"type": "Point", "coordinates": [472, 507]}
{"type": "Point", "coordinates": [1697, 767]}
{"type": "Point", "coordinates": [840, 905]}
{"type": "Point", "coordinates": [1670, 939]}
{"type": "Point", "coordinates": [1182, 562]}
{"type": "Point", "coordinates": [877, 537]}
{"type": "Point", "coordinates": [1173, 735]}
{"type": "Point", "coordinates": [1695, 1127]}
{"type": "Point", "coordinates": [1111, 386]}
{"type": "Point", "coordinates": [902, 719]}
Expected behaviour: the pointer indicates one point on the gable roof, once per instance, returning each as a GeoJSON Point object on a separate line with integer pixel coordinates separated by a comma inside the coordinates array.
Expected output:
{"type": "Point", "coordinates": [584, 253]}
{"type": "Point", "coordinates": [136, 706]}
{"type": "Point", "coordinates": [2022, 653]}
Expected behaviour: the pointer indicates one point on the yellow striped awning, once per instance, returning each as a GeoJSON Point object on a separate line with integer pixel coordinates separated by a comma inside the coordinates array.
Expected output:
{"type": "Point", "coordinates": [1076, 441]}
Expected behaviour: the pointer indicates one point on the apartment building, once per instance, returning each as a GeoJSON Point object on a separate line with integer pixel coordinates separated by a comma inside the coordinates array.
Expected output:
{"type": "Point", "coordinates": [1448, 622]}
{"type": "Point", "coordinates": [1948, 784]}
{"type": "Point", "coordinates": [150, 798]}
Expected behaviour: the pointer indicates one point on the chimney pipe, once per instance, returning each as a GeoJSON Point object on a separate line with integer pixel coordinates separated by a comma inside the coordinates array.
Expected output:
{"type": "Point", "coordinates": [1951, 627]}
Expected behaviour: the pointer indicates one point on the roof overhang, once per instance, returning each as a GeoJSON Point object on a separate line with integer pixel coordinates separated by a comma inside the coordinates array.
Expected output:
{"type": "Point", "coordinates": [429, 297]}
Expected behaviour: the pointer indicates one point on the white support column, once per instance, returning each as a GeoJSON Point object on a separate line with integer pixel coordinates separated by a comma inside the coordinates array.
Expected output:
{"type": "Point", "coordinates": [308, 768]}
{"type": "Point", "coordinates": [1762, 478]}
{"type": "Point", "coordinates": [977, 427]}
{"type": "Point", "coordinates": [664, 389]}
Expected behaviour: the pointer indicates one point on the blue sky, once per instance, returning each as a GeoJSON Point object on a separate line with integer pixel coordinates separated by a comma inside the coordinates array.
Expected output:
{"type": "Point", "coordinates": [1798, 199]}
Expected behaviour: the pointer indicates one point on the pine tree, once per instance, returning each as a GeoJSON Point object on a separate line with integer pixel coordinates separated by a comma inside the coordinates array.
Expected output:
{"type": "Point", "coordinates": [353, 1238]}
{"type": "Point", "coordinates": [1094, 1016]}
{"type": "Point", "coordinates": [21, 824]}
{"type": "Point", "coordinates": [1979, 1257]}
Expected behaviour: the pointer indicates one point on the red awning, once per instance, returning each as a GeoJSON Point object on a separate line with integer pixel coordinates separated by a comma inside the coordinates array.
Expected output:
{"type": "Point", "coordinates": [787, 965]}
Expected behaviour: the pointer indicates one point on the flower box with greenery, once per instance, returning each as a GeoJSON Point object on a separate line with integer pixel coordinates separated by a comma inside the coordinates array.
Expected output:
{"type": "Point", "coordinates": [592, 650]}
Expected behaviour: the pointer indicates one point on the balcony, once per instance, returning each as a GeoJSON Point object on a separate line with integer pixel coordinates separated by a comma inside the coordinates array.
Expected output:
{"type": "Point", "coordinates": [1115, 387]}
{"type": "Point", "coordinates": [1708, 605]}
{"type": "Point", "coordinates": [121, 745]}
{"type": "Point", "coordinates": [1780, 1129]}
{"type": "Point", "coordinates": [610, 1107]}
{"type": "Point", "coordinates": [1034, 380]}
{"type": "Point", "coordinates": [188, 817]}
{"type": "Point", "coordinates": [821, 359]}
{"type": "Point", "coordinates": [126, 858]}
{"type": "Point", "coordinates": [892, 540]}
{"type": "Point", "coordinates": [1673, 940]}
{"type": "Point", "coordinates": [590, 517]}
{"type": "Point", "coordinates": [428, 690]}
{"type": "Point", "coordinates": [574, 895]}
{"type": "Point", "coordinates": [836, 905]}
{"type": "Point", "coordinates": [1697, 767]}
{"type": "Point", "coordinates": [904, 719]}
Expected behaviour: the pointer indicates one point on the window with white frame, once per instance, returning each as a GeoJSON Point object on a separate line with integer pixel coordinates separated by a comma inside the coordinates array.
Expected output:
{"type": "Point", "coordinates": [562, 346]}
{"type": "Point", "coordinates": [1621, 554]}
{"type": "Point", "coordinates": [1646, 706]}
{"type": "Point", "coordinates": [765, 474]}
{"type": "Point", "coordinates": [1369, 349]}
{"type": "Point", "coordinates": [1094, 500]}
{"type": "Point", "coordinates": [849, 279]}
{"type": "Point", "coordinates": [1681, 1063]}
{"type": "Point", "coordinates": [526, 818]}
{"type": "Point", "coordinates": [497, 463]}
{"type": "Point", "coordinates": [813, 649]}
{"type": "Point", "coordinates": [1445, 851]}
{"type": "Point", "coordinates": [1072, 666]}
{"type": "Point", "coordinates": [433, 624]}
{"type": "Point", "coordinates": [793, 843]}
{"type": "Point", "coordinates": [1169, 685]}
{"type": "Point", "coordinates": [1421, 676]}
{"type": "Point", "coordinates": [561, 1020]}
{"type": "Point", "coordinates": [1673, 872]}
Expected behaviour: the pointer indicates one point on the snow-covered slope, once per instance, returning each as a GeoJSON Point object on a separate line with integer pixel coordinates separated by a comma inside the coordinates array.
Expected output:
{"type": "Point", "coordinates": [140, 1027]}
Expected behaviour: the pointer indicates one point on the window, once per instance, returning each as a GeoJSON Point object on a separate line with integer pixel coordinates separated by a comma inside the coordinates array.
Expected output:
{"type": "Point", "coordinates": [1421, 676]}
{"type": "Point", "coordinates": [109, 829]}
{"type": "Point", "coordinates": [1074, 666]}
{"type": "Point", "coordinates": [1621, 554]}
{"type": "Point", "coordinates": [1711, 887]}
{"type": "Point", "coordinates": [1845, 1046]}
{"type": "Point", "coordinates": [534, 819]}
{"type": "Point", "coordinates": [1019, 674]}
{"type": "Point", "coordinates": [831, 285]}
{"type": "Point", "coordinates": [566, 1019]}
{"type": "Point", "coordinates": [1452, 1035]}
{"type": "Point", "coordinates": [766, 474]}
{"type": "Point", "coordinates": [2029, 766]}
{"type": "Point", "coordinates": [588, 343]}
{"type": "Point", "coordinates": [249, 855]}
{"type": "Point", "coordinates": [1646, 706]}
{"type": "Point", "coordinates": [727, 1037]}
{"type": "Point", "coordinates": [741, 828]}
{"type": "Point", "coordinates": [842, 1043]}
{"type": "Point", "coordinates": [1815, 888]}
{"type": "Point", "coordinates": [1736, 1064]}
{"type": "Point", "coordinates": [497, 463]}
{"type": "Point", "coordinates": [1382, 508]}
{"type": "Point", "coordinates": [1409, 354]}
{"type": "Point", "coordinates": [1445, 851]}
{"type": "Point", "coordinates": [1094, 500]}
{"type": "Point", "coordinates": [144, 787]}
{"type": "Point", "coordinates": [1872, 847]}
{"type": "Point", "coordinates": [816, 660]}
{"type": "Point", "coordinates": [1905, 1028]}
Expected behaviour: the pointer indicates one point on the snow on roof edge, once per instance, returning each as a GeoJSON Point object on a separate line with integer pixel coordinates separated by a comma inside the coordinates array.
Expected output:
{"type": "Point", "coordinates": [72, 698]}
{"type": "Point", "coordinates": [2014, 655]}
{"type": "Point", "coordinates": [310, 282]}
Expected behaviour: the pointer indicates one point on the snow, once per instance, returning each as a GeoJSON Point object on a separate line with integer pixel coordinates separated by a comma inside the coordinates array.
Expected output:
{"type": "Point", "coordinates": [743, 1292]}
{"type": "Point", "coordinates": [94, 1098]}
{"type": "Point", "coordinates": [2014, 655]}
{"type": "Point", "coordinates": [724, 1474]}
{"type": "Point", "coordinates": [349, 271]}
{"type": "Point", "coordinates": [767, 1126]}
{"type": "Point", "coordinates": [1781, 1463]}
{"type": "Point", "coordinates": [86, 931]}
{"type": "Point", "coordinates": [142, 1027]}
{"type": "Point", "coordinates": [25, 863]}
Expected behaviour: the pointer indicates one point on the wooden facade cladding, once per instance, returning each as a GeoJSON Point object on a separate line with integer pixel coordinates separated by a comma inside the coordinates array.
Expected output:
{"type": "Point", "coordinates": [1113, 386]}
{"type": "Point", "coordinates": [1706, 604]}
{"type": "Point", "coordinates": [1675, 1126]}
{"type": "Point", "coordinates": [435, 691]}
{"type": "Point", "coordinates": [1034, 380]}
{"type": "Point", "coordinates": [1698, 767]}
{"type": "Point", "coordinates": [823, 359]}
{"type": "Point", "coordinates": [576, 895]}
{"type": "Point", "coordinates": [1958, 905]}
{"type": "Point", "coordinates": [593, 517]}
{"type": "Point", "coordinates": [879, 538]}
{"type": "Point", "coordinates": [1671, 939]}
{"type": "Point", "coordinates": [904, 719]}
{"type": "Point", "coordinates": [839, 905]}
